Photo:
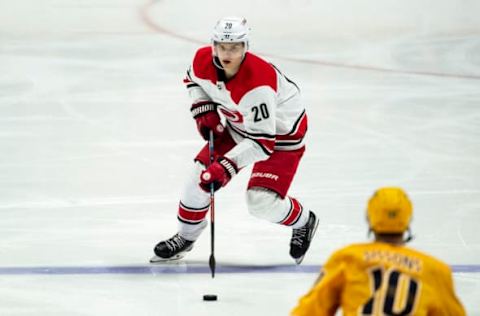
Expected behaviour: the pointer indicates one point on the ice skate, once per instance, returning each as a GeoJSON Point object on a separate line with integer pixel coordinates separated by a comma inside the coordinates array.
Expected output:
{"type": "Point", "coordinates": [301, 238]}
{"type": "Point", "coordinates": [173, 248]}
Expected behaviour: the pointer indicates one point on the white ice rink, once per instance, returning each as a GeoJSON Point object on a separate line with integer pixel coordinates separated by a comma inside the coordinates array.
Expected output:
{"type": "Point", "coordinates": [96, 138]}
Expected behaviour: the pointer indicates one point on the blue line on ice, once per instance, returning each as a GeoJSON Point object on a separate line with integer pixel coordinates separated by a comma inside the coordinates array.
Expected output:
{"type": "Point", "coordinates": [183, 268]}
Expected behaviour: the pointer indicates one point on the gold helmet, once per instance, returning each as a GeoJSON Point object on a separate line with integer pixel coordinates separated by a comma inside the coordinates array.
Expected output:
{"type": "Point", "coordinates": [389, 211]}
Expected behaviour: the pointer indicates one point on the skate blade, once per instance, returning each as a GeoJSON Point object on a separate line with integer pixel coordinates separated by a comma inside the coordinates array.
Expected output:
{"type": "Point", "coordinates": [157, 259]}
{"type": "Point", "coordinates": [300, 259]}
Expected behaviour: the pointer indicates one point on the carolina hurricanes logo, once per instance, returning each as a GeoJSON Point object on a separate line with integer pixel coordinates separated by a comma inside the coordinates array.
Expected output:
{"type": "Point", "coordinates": [233, 116]}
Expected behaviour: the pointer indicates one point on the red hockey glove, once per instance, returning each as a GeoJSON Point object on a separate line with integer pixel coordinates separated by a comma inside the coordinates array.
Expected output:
{"type": "Point", "coordinates": [219, 173]}
{"type": "Point", "coordinates": [207, 118]}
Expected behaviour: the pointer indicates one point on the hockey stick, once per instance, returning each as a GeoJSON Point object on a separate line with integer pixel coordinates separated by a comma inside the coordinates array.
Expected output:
{"type": "Point", "coordinates": [211, 261]}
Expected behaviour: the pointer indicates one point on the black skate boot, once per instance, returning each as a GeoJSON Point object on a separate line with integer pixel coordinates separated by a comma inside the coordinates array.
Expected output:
{"type": "Point", "coordinates": [171, 249]}
{"type": "Point", "coordinates": [301, 238]}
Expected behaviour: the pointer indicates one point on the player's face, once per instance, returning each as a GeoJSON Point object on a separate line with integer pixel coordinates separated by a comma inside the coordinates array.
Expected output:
{"type": "Point", "coordinates": [230, 55]}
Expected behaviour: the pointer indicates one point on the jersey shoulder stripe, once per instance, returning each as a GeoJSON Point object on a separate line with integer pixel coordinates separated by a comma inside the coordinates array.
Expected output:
{"type": "Point", "coordinates": [253, 73]}
{"type": "Point", "coordinates": [202, 66]}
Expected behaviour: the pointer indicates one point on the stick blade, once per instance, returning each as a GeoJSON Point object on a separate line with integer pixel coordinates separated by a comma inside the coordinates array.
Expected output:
{"type": "Point", "coordinates": [212, 264]}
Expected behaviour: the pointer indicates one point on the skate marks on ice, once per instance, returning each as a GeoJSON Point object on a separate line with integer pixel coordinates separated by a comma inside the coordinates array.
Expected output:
{"type": "Point", "coordinates": [164, 267]}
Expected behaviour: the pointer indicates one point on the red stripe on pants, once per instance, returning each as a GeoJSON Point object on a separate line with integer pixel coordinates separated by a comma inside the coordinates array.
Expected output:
{"type": "Point", "coordinates": [192, 215]}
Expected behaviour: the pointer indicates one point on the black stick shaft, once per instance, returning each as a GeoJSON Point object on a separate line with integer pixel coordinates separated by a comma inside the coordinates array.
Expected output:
{"type": "Point", "coordinates": [211, 261]}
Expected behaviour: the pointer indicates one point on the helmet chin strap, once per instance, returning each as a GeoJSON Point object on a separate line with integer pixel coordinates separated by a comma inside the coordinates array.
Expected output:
{"type": "Point", "coordinates": [217, 63]}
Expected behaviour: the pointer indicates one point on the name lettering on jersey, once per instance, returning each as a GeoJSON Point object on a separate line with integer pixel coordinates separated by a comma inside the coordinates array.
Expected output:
{"type": "Point", "coordinates": [397, 259]}
{"type": "Point", "coordinates": [265, 175]}
{"type": "Point", "coordinates": [232, 116]}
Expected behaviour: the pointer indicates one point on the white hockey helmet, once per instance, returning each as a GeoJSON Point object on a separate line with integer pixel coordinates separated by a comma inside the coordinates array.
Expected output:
{"type": "Point", "coordinates": [231, 30]}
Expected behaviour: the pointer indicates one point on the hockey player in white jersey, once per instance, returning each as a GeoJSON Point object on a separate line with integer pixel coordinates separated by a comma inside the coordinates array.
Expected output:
{"type": "Point", "coordinates": [265, 125]}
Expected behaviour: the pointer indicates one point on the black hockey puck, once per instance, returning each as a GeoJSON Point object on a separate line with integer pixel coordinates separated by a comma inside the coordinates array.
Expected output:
{"type": "Point", "coordinates": [209, 297]}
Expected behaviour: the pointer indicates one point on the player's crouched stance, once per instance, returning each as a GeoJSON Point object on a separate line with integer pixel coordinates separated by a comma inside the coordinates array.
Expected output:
{"type": "Point", "coordinates": [383, 277]}
{"type": "Point", "coordinates": [265, 125]}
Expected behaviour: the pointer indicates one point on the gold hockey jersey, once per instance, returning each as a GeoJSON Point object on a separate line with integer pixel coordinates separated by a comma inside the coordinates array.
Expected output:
{"type": "Point", "coordinates": [381, 279]}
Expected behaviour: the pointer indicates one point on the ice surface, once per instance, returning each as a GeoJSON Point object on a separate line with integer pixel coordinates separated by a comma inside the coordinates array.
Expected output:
{"type": "Point", "coordinates": [96, 139]}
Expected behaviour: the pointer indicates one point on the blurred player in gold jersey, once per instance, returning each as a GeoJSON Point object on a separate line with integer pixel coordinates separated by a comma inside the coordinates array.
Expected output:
{"type": "Point", "coordinates": [383, 277]}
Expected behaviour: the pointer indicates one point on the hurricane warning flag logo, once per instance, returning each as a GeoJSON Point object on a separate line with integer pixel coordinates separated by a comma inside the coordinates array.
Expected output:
{"type": "Point", "coordinates": [232, 116]}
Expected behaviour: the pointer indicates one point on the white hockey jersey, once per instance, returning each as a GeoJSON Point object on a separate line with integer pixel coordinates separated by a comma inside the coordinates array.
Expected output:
{"type": "Point", "coordinates": [262, 108]}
